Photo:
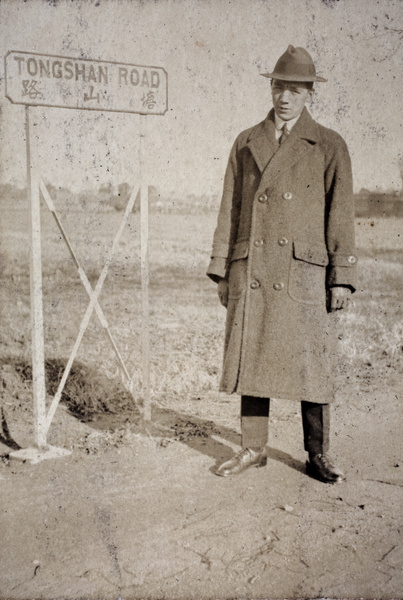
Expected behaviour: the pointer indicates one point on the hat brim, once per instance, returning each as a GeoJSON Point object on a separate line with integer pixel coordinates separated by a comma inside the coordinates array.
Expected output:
{"type": "Point", "coordinates": [300, 78]}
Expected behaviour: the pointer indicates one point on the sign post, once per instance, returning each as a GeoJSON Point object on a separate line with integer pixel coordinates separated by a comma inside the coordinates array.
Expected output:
{"type": "Point", "coordinates": [43, 80]}
{"type": "Point", "coordinates": [145, 276]}
{"type": "Point", "coordinates": [38, 354]}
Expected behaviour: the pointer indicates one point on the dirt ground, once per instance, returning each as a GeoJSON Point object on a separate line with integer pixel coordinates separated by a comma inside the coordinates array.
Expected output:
{"type": "Point", "coordinates": [136, 511]}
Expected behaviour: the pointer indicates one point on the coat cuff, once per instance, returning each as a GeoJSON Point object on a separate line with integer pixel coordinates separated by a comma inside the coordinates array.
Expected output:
{"type": "Point", "coordinates": [344, 276]}
{"type": "Point", "coordinates": [217, 268]}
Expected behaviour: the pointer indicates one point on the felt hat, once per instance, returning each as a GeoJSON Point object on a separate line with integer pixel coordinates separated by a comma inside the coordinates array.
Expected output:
{"type": "Point", "coordinates": [295, 64]}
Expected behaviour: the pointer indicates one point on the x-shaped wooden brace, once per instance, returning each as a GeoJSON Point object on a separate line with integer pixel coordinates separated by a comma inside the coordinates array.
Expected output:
{"type": "Point", "coordinates": [93, 303]}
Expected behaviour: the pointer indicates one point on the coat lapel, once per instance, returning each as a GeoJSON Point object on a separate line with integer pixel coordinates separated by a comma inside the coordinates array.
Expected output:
{"type": "Point", "coordinates": [262, 142]}
{"type": "Point", "coordinates": [272, 159]}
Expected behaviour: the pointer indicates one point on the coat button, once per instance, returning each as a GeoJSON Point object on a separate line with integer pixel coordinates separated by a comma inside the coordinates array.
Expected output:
{"type": "Point", "coordinates": [254, 285]}
{"type": "Point", "coordinates": [258, 243]}
{"type": "Point", "coordinates": [287, 196]}
{"type": "Point", "coordinates": [352, 259]}
{"type": "Point", "coordinates": [262, 198]}
{"type": "Point", "coordinates": [283, 241]}
{"type": "Point", "coordinates": [278, 286]}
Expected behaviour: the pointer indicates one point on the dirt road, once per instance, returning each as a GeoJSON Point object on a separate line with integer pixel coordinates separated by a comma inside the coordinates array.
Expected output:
{"type": "Point", "coordinates": [139, 514]}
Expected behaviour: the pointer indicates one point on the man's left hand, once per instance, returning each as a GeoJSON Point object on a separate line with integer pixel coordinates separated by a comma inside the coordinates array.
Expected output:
{"type": "Point", "coordinates": [340, 298]}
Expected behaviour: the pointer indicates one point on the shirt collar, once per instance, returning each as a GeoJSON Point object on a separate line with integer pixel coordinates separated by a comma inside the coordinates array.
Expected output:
{"type": "Point", "coordinates": [279, 122]}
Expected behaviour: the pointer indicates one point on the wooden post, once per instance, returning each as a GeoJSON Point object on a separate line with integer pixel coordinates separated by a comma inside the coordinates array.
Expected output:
{"type": "Point", "coordinates": [145, 304]}
{"type": "Point", "coordinates": [38, 354]}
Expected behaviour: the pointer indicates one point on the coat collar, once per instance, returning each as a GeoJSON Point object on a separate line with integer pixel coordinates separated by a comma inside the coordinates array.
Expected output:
{"type": "Point", "coordinates": [264, 147]}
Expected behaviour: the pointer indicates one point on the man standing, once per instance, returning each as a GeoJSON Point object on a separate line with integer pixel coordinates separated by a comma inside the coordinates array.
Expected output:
{"type": "Point", "coordinates": [283, 258]}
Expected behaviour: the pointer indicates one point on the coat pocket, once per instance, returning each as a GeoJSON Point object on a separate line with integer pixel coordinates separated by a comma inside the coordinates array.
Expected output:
{"type": "Point", "coordinates": [307, 280]}
{"type": "Point", "coordinates": [238, 270]}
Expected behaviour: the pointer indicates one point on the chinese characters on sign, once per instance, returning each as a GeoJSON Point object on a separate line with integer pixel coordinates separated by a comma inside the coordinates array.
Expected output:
{"type": "Point", "coordinates": [91, 95]}
{"type": "Point", "coordinates": [28, 89]}
{"type": "Point", "coordinates": [44, 80]}
{"type": "Point", "coordinates": [148, 100]}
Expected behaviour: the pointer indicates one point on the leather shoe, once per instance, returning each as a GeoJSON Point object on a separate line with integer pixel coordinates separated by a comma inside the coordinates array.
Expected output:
{"type": "Point", "coordinates": [320, 467]}
{"type": "Point", "coordinates": [245, 459]}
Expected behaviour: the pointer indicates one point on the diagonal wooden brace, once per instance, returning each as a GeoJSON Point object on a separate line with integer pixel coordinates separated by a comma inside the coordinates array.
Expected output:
{"type": "Point", "coordinates": [93, 304]}
{"type": "Point", "coordinates": [85, 281]}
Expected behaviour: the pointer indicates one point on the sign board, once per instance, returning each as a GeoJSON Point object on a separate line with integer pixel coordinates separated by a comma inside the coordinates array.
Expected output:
{"type": "Point", "coordinates": [43, 80]}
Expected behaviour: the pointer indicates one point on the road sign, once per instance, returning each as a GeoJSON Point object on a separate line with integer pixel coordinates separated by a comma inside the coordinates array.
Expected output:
{"type": "Point", "coordinates": [43, 80]}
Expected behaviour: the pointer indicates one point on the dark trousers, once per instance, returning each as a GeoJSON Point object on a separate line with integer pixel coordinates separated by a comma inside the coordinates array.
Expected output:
{"type": "Point", "coordinates": [255, 424]}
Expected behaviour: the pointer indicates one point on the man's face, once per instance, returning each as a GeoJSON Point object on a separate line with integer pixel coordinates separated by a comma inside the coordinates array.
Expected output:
{"type": "Point", "coordinates": [289, 98]}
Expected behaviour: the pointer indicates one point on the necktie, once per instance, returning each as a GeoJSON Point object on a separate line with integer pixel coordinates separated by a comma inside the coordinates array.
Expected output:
{"type": "Point", "coordinates": [284, 135]}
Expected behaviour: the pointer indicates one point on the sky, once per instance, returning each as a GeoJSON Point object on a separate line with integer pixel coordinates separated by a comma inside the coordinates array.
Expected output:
{"type": "Point", "coordinates": [214, 52]}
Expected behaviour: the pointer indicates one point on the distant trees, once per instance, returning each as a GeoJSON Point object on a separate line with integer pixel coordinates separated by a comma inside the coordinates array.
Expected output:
{"type": "Point", "coordinates": [10, 193]}
{"type": "Point", "coordinates": [116, 201]}
{"type": "Point", "coordinates": [109, 197]}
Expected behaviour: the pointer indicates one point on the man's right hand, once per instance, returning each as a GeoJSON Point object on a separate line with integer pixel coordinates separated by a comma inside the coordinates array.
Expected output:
{"type": "Point", "coordinates": [222, 290]}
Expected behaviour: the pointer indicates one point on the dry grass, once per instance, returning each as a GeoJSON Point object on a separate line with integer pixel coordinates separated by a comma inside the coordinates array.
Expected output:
{"type": "Point", "coordinates": [87, 392]}
{"type": "Point", "coordinates": [186, 319]}
{"type": "Point", "coordinates": [373, 330]}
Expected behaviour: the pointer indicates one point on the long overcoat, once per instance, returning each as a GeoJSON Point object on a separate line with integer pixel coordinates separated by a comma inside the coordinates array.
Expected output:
{"type": "Point", "coordinates": [284, 236]}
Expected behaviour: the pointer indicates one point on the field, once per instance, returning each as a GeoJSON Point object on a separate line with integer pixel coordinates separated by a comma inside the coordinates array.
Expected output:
{"type": "Point", "coordinates": [140, 512]}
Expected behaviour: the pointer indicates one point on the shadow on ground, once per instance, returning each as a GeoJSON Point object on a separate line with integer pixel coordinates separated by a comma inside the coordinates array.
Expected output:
{"type": "Point", "coordinates": [106, 406]}
{"type": "Point", "coordinates": [205, 436]}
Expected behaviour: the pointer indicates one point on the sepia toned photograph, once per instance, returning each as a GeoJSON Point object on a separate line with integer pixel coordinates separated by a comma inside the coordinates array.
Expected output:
{"type": "Point", "coordinates": [201, 286]}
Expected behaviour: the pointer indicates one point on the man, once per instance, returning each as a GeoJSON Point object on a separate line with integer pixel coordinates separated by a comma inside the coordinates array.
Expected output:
{"type": "Point", "coordinates": [283, 258]}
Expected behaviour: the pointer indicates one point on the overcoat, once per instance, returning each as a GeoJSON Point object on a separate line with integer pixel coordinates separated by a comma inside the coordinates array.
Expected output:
{"type": "Point", "coordinates": [284, 236]}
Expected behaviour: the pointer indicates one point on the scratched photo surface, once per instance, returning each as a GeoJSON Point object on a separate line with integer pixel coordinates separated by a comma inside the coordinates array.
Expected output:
{"type": "Point", "coordinates": [117, 121]}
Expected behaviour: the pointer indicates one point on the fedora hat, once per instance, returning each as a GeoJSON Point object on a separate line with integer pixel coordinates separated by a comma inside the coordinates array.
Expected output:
{"type": "Point", "coordinates": [295, 64]}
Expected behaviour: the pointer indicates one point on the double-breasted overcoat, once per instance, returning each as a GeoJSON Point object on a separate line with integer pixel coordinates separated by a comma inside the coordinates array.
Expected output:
{"type": "Point", "coordinates": [284, 236]}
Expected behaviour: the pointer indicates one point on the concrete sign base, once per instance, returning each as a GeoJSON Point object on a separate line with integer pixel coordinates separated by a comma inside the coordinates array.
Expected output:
{"type": "Point", "coordinates": [37, 455]}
